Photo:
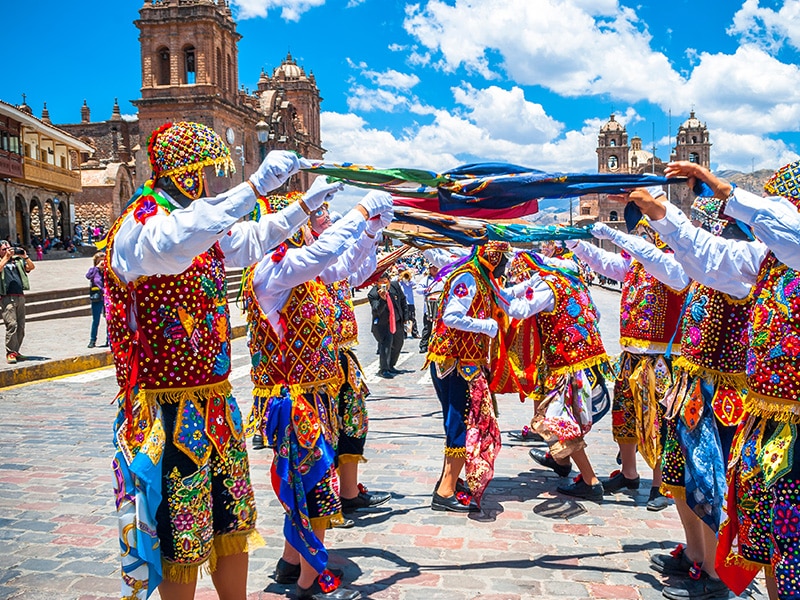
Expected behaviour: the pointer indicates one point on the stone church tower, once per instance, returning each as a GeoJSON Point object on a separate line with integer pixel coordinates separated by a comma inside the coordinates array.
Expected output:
{"type": "Point", "coordinates": [612, 148]}
{"type": "Point", "coordinates": [692, 144]}
{"type": "Point", "coordinates": [190, 71]}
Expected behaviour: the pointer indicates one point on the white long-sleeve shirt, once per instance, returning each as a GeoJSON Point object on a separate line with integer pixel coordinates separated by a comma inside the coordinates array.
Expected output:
{"type": "Point", "coordinates": [441, 258]}
{"type": "Point", "coordinates": [273, 281]}
{"type": "Point", "coordinates": [167, 244]}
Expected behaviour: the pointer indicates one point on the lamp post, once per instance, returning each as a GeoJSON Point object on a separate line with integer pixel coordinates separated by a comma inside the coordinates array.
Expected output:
{"type": "Point", "coordinates": [262, 133]}
{"type": "Point", "coordinates": [240, 154]}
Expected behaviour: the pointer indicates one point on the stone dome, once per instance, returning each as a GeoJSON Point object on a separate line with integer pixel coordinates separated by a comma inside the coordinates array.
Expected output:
{"type": "Point", "coordinates": [289, 69]}
{"type": "Point", "coordinates": [692, 122]}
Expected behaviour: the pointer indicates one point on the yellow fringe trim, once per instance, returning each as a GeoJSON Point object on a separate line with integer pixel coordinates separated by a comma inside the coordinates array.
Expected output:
{"type": "Point", "coordinates": [737, 380]}
{"type": "Point", "coordinates": [177, 573]}
{"type": "Point", "coordinates": [740, 561]}
{"type": "Point", "coordinates": [777, 409]}
{"type": "Point", "coordinates": [177, 395]}
{"type": "Point", "coordinates": [456, 452]}
{"type": "Point", "coordinates": [580, 366]}
{"type": "Point", "coordinates": [346, 459]}
{"type": "Point", "coordinates": [659, 347]}
{"type": "Point", "coordinates": [238, 542]}
{"type": "Point", "coordinates": [328, 386]}
{"type": "Point", "coordinates": [626, 440]}
{"type": "Point", "coordinates": [676, 491]}
{"type": "Point", "coordinates": [328, 522]}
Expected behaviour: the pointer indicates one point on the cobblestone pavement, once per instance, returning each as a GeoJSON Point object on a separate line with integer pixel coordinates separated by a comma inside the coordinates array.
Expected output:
{"type": "Point", "coordinates": [58, 537]}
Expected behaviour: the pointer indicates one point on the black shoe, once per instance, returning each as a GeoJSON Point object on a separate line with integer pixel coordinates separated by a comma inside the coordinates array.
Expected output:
{"type": "Point", "coordinates": [580, 489]}
{"type": "Point", "coordinates": [365, 499]}
{"type": "Point", "coordinates": [386, 374]}
{"type": "Point", "coordinates": [617, 481]}
{"type": "Point", "coordinates": [423, 349]}
{"type": "Point", "coordinates": [461, 486]}
{"type": "Point", "coordinates": [545, 459]}
{"type": "Point", "coordinates": [258, 442]}
{"type": "Point", "coordinates": [657, 501]}
{"type": "Point", "coordinates": [453, 503]}
{"type": "Point", "coordinates": [104, 344]}
{"type": "Point", "coordinates": [674, 563]}
{"type": "Point", "coordinates": [288, 573]}
{"type": "Point", "coordinates": [315, 592]}
{"type": "Point", "coordinates": [394, 371]}
{"type": "Point", "coordinates": [526, 434]}
{"type": "Point", "coordinates": [91, 345]}
{"type": "Point", "coordinates": [703, 588]}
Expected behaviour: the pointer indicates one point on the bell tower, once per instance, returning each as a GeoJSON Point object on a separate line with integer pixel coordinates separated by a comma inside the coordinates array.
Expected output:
{"type": "Point", "coordinates": [612, 148]}
{"type": "Point", "coordinates": [190, 72]}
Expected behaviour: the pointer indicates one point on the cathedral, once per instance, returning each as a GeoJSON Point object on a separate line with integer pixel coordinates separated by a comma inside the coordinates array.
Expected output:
{"type": "Point", "coordinates": [189, 62]}
{"type": "Point", "coordinates": [617, 154]}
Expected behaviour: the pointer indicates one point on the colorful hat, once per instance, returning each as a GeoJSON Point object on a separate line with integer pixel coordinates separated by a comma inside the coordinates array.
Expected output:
{"type": "Point", "coordinates": [786, 182]}
{"type": "Point", "coordinates": [493, 251]}
{"type": "Point", "coordinates": [273, 204]}
{"type": "Point", "coordinates": [708, 211]}
{"type": "Point", "coordinates": [182, 150]}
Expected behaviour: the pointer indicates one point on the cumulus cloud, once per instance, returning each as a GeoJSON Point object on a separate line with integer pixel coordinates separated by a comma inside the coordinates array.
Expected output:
{"type": "Point", "coordinates": [291, 10]}
{"type": "Point", "coordinates": [747, 152]}
{"type": "Point", "coordinates": [766, 27]}
{"type": "Point", "coordinates": [366, 99]}
{"type": "Point", "coordinates": [507, 114]}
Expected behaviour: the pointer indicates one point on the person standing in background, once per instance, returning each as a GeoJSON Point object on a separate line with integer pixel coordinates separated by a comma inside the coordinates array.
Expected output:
{"type": "Point", "coordinates": [14, 268]}
{"type": "Point", "coordinates": [388, 307]}
{"type": "Point", "coordinates": [410, 318]}
{"type": "Point", "coordinates": [97, 286]}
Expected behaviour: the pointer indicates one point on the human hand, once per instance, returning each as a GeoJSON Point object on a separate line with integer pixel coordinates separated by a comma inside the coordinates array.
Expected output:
{"type": "Point", "coordinates": [695, 172]}
{"type": "Point", "coordinates": [321, 192]}
{"type": "Point", "coordinates": [493, 327]}
{"type": "Point", "coordinates": [376, 203]}
{"type": "Point", "coordinates": [654, 208]}
{"type": "Point", "coordinates": [276, 169]}
{"type": "Point", "coordinates": [572, 244]}
{"type": "Point", "coordinates": [601, 231]}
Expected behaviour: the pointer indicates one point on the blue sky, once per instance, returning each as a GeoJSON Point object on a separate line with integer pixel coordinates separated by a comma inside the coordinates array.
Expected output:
{"type": "Point", "coordinates": [434, 84]}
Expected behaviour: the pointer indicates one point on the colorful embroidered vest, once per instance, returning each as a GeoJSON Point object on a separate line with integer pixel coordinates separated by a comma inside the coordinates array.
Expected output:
{"type": "Point", "coordinates": [447, 343]}
{"type": "Point", "coordinates": [569, 334]}
{"type": "Point", "coordinates": [345, 323]}
{"type": "Point", "coordinates": [650, 312]}
{"type": "Point", "coordinates": [182, 337]}
{"type": "Point", "coordinates": [307, 356]}
{"type": "Point", "coordinates": [714, 331]}
{"type": "Point", "coordinates": [773, 368]}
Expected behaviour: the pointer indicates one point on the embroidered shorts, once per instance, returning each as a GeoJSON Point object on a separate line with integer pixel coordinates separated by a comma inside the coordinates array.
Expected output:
{"type": "Point", "coordinates": [200, 503]}
{"type": "Point", "coordinates": [353, 420]}
{"type": "Point", "coordinates": [623, 410]}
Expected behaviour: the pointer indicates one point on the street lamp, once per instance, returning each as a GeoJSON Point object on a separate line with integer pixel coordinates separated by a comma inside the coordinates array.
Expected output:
{"type": "Point", "coordinates": [262, 133]}
{"type": "Point", "coordinates": [240, 154]}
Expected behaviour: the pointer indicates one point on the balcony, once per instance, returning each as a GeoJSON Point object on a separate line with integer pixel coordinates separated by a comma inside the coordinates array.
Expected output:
{"type": "Point", "coordinates": [10, 164]}
{"type": "Point", "coordinates": [49, 176]}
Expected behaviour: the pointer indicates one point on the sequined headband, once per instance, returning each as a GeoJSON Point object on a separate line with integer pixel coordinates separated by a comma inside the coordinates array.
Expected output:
{"type": "Point", "coordinates": [786, 182]}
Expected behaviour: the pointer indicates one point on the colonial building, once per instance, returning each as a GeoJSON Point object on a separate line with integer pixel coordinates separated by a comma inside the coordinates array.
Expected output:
{"type": "Point", "coordinates": [190, 72]}
{"type": "Point", "coordinates": [39, 175]}
{"type": "Point", "coordinates": [616, 155]}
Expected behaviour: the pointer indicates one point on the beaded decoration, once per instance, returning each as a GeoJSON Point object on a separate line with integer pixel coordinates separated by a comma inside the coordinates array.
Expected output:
{"type": "Point", "coordinates": [182, 150]}
{"type": "Point", "coordinates": [786, 182]}
{"type": "Point", "coordinates": [708, 211]}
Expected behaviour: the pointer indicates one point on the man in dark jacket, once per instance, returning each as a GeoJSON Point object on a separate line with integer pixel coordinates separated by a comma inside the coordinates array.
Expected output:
{"type": "Point", "coordinates": [14, 268]}
{"type": "Point", "coordinates": [387, 323]}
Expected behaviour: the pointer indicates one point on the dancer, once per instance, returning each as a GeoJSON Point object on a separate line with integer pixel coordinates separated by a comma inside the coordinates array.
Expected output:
{"type": "Point", "coordinates": [179, 446]}
{"type": "Point", "coordinates": [353, 419]}
{"type": "Point", "coordinates": [296, 375]}
{"type": "Point", "coordinates": [649, 318]}
{"type": "Point", "coordinates": [764, 470]}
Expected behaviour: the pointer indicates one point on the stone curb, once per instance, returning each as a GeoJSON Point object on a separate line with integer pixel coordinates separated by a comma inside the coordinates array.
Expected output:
{"type": "Point", "coordinates": [77, 364]}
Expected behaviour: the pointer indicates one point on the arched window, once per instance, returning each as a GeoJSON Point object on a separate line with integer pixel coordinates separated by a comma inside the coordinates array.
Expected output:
{"type": "Point", "coordinates": [230, 75]}
{"type": "Point", "coordinates": [612, 142]}
{"type": "Point", "coordinates": [694, 157]}
{"type": "Point", "coordinates": [613, 163]}
{"type": "Point", "coordinates": [163, 74]}
{"type": "Point", "coordinates": [189, 69]}
{"type": "Point", "coordinates": [220, 81]}
{"type": "Point", "coordinates": [694, 139]}
{"type": "Point", "coordinates": [613, 216]}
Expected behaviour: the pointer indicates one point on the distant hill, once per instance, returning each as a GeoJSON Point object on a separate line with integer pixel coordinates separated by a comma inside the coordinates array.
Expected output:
{"type": "Point", "coordinates": [752, 182]}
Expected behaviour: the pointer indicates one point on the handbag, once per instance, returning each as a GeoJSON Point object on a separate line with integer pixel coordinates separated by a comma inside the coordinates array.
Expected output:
{"type": "Point", "coordinates": [95, 294]}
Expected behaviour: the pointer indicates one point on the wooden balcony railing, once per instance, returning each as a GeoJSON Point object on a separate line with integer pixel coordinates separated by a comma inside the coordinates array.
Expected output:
{"type": "Point", "coordinates": [52, 177]}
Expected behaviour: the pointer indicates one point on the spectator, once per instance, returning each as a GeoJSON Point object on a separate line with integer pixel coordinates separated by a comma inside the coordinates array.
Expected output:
{"type": "Point", "coordinates": [14, 268]}
{"type": "Point", "coordinates": [410, 318]}
{"type": "Point", "coordinates": [39, 253]}
{"type": "Point", "coordinates": [97, 285]}
{"type": "Point", "coordinates": [388, 308]}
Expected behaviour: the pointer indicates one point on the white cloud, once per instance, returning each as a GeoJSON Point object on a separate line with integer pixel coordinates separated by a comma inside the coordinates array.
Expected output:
{"type": "Point", "coordinates": [365, 99]}
{"type": "Point", "coordinates": [766, 27]}
{"type": "Point", "coordinates": [747, 152]}
{"type": "Point", "coordinates": [291, 10]}
{"type": "Point", "coordinates": [506, 114]}
{"type": "Point", "coordinates": [392, 78]}
{"type": "Point", "coordinates": [354, 3]}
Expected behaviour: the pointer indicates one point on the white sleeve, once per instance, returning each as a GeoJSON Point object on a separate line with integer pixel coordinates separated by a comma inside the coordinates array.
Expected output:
{"type": "Point", "coordinates": [441, 258]}
{"type": "Point", "coordinates": [248, 241]}
{"type": "Point", "coordinates": [168, 243]}
{"type": "Point", "coordinates": [542, 300]}
{"type": "Point", "coordinates": [730, 266]}
{"type": "Point", "coordinates": [367, 262]}
{"type": "Point", "coordinates": [775, 221]}
{"type": "Point", "coordinates": [349, 261]}
{"type": "Point", "coordinates": [303, 264]}
{"type": "Point", "coordinates": [661, 265]}
{"type": "Point", "coordinates": [608, 264]}
{"type": "Point", "coordinates": [456, 307]}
